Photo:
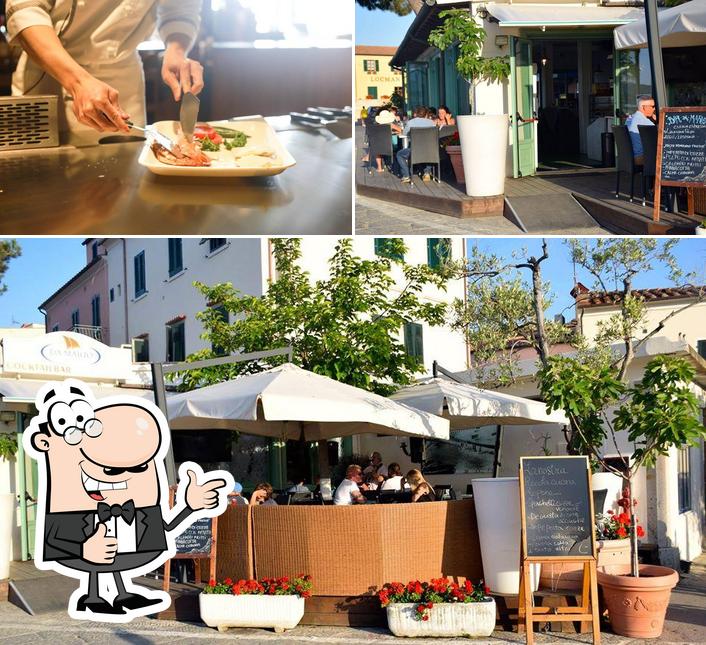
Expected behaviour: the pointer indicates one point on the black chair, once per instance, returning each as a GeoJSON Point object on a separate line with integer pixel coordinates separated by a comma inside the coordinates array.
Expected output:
{"type": "Point", "coordinates": [626, 161]}
{"type": "Point", "coordinates": [394, 497]}
{"type": "Point", "coordinates": [299, 498]}
{"type": "Point", "coordinates": [379, 143]}
{"type": "Point", "coordinates": [444, 492]}
{"type": "Point", "coordinates": [447, 131]}
{"type": "Point", "coordinates": [425, 148]}
{"type": "Point", "coordinates": [648, 137]}
{"type": "Point", "coordinates": [371, 495]}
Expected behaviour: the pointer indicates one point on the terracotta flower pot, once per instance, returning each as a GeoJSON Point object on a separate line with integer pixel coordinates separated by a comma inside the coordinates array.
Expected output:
{"type": "Point", "coordinates": [566, 576]}
{"type": "Point", "coordinates": [456, 160]}
{"type": "Point", "coordinates": [637, 606]}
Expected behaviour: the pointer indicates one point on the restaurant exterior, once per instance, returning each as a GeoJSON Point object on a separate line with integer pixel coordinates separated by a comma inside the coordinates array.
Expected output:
{"type": "Point", "coordinates": [555, 50]}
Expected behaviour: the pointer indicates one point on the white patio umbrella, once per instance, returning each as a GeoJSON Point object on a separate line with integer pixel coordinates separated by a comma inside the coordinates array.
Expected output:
{"type": "Point", "coordinates": [680, 26]}
{"type": "Point", "coordinates": [288, 402]}
{"type": "Point", "coordinates": [467, 406]}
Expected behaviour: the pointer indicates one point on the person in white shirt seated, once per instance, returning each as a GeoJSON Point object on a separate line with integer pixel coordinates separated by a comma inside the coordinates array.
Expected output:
{"type": "Point", "coordinates": [348, 491]}
{"type": "Point", "coordinates": [644, 115]}
{"type": "Point", "coordinates": [394, 478]}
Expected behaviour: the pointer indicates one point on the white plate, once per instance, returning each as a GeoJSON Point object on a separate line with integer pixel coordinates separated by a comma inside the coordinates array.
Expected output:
{"type": "Point", "coordinates": [224, 163]}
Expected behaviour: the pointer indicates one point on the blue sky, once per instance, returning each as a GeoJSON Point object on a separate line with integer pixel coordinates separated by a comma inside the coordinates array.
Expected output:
{"type": "Point", "coordinates": [380, 27]}
{"type": "Point", "coordinates": [47, 263]}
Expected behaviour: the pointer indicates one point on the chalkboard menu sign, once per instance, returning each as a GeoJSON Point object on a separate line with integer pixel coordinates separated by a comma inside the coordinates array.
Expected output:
{"type": "Point", "coordinates": [197, 540]}
{"type": "Point", "coordinates": [557, 513]}
{"type": "Point", "coordinates": [684, 146]}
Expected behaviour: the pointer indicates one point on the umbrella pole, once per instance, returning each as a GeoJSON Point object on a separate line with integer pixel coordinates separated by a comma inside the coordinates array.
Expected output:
{"type": "Point", "coordinates": [324, 466]}
{"type": "Point", "coordinates": [659, 87]}
{"type": "Point", "coordinates": [498, 448]}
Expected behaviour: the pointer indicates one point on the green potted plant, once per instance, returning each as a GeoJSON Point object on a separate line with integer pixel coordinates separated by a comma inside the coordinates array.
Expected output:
{"type": "Point", "coordinates": [275, 603]}
{"type": "Point", "coordinates": [483, 137]}
{"type": "Point", "coordinates": [8, 450]}
{"type": "Point", "coordinates": [657, 414]}
{"type": "Point", "coordinates": [438, 608]}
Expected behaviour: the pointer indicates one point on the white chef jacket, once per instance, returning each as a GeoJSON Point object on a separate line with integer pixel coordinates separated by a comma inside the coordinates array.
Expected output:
{"type": "Point", "coordinates": [102, 36]}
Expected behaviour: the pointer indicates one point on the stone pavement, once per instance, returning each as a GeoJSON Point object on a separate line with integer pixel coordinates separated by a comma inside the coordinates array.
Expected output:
{"type": "Point", "coordinates": [686, 623]}
{"type": "Point", "coordinates": [377, 217]}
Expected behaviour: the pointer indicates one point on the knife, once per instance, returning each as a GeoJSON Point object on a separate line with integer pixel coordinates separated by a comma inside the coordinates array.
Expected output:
{"type": "Point", "coordinates": [189, 115]}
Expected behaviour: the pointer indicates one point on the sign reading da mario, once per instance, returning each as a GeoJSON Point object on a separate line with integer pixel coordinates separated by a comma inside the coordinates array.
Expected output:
{"type": "Point", "coordinates": [65, 354]}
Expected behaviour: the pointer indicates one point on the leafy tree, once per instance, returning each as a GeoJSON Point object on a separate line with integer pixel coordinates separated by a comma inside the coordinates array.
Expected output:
{"type": "Point", "coordinates": [346, 327]}
{"type": "Point", "coordinates": [400, 7]}
{"type": "Point", "coordinates": [9, 250]}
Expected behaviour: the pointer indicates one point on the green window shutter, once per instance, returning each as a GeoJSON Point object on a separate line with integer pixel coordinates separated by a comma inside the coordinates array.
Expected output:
{"type": "Point", "coordinates": [383, 250]}
{"type": "Point", "coordinates": [414, 340]}
{"type": "Point", "coordinates": [701, 348]}
{"type": "Point", "coordinates": [373, 92]}
{"type": "Point", "coordinates": [377, 65]}
{"type": "Point", "coordinates": [438, 251]}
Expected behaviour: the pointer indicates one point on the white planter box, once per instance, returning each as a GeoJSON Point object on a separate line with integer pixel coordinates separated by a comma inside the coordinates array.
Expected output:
{"type": "Point", "coordinates": [276, 612]}
{"type": "Point", "coordinates": [497, 501]}
{"type": "Point", "coordinates": [484, 147]}
{"type": "Point", "coordinates": [700, 231]}
{"type": "Point", "coordinates": [445, 619]}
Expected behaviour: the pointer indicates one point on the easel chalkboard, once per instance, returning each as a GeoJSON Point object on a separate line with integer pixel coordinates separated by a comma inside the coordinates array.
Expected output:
{"type": "Point", "coordinates": [556, 507]}
{"type": "Point", "coordinates": [681, 152]}
{"type": "Point", "coordinates": [196, 543]}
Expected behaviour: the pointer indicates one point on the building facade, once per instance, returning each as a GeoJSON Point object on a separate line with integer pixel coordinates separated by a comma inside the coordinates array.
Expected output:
{"type": "Point", "coordinates": [81, 305]}
{"type": "Point", "coordinates": [375, 80]}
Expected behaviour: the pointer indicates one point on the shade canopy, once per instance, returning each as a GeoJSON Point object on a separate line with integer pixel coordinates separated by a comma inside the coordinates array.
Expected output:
{"type": "Point", "coordinates": [289, 402]}
{"type": "Point", "coordinates": [556, 15]}
{"type": "Point", "coordinates": [470, 407]}
{"type": "Point", "coordinates": [680, 26]}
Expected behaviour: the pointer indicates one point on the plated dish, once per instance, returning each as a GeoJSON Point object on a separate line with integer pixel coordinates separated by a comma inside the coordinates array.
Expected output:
{"type": "Point", "coordinates": [242, 148]}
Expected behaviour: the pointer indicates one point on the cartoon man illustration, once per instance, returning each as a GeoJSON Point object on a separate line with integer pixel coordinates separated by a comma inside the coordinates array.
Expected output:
{"type": "Point", "coordinates": [104, 498]}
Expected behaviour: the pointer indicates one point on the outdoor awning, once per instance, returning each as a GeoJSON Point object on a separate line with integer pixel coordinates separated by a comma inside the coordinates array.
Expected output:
{"type": "Point", "coordinates": [470, 407]}
{"type": "Point", "coordinates": [554, 15]}
{"type": "Point", "coordinates": [21, 392]}
{"type": "Point", "coordinates": [288, 402]}
{"type": "Point", "coordinates": [680, 26]}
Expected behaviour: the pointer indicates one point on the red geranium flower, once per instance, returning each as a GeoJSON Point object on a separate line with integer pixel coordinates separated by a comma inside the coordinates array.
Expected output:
{"type": "Point", "coordinates": [640, 532]}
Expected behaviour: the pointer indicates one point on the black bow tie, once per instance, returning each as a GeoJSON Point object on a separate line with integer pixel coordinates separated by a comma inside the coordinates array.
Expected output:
{"type": "Point", "coordinates": [126, 511]}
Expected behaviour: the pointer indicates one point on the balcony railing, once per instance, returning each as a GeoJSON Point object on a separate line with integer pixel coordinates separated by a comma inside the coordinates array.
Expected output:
{"type": "Point", "coordinates": [89, 330]}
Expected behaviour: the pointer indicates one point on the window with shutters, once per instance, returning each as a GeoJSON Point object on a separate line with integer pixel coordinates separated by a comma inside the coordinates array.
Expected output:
{"type": "Point", "coordinates": [222, 313]}
{"type": "Point", "coordinates": [438, 251]}
{"type": "Point", "coordinates": [684, 479]}
{"type": "Point", "coordinates": [140, 276]}
{"type": "Point", "coordinates": [413, 340]}
{"type": "Point", "coordinates": [701, 348]}
{"type": "Point", "coordinates": [176, 259]}
{"type": "Point", "coordinates": [75, 318]}
{"type": "Point", "coordinates": [96, 311]}
{"type": "Point", "coordinates": [372, 92]}
{"type": "Point", "coordinates": [371, 66]}
{"type": "Point", "coordinates": [141, 349]}
{"type": "Point", "coordinates": [384, 247]}
{"type": "Point", "coordinates": [176, 342]}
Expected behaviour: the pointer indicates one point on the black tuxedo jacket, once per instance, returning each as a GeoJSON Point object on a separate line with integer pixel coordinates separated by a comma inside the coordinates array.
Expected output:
{"type": "Point", "coordinates": [65, 533]}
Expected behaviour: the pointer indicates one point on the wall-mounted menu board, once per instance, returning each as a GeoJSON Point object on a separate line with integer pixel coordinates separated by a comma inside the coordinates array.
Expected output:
{"type": "Point", "coordinates": [683, 146]}
{"type": "Point", "coordinates": [556, 507]}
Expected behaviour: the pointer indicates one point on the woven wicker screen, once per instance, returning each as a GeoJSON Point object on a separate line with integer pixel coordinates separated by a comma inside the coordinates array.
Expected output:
{"type": "Point", "coordinates": [234, 555]}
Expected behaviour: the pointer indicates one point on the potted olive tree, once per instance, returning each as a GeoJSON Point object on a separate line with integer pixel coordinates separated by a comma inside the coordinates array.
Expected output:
{"type": "Point", "coordinates": [483, 136]}
{"type": "Point", "coordinates": [657, 414]}
{"type": "Point", "coordinates": [8, 449]}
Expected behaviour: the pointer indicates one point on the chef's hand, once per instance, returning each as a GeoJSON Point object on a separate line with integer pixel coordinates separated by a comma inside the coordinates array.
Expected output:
{"type": "Point", "coordinates": [96, 105]}
{"type": "Point", "coordinates": [181, 73]}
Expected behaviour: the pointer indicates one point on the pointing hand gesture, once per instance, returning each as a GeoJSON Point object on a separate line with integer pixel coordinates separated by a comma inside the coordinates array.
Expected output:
{"type": "Point", "coordinates": [205, 496]}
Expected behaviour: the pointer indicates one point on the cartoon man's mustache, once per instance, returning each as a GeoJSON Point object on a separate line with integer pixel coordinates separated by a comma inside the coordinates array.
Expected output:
{"type": "Point", "coordinates": [74, 434]}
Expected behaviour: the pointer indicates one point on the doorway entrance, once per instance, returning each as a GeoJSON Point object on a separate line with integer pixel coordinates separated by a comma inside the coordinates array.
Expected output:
{"type": "Point", "coordinates": [575, 78]}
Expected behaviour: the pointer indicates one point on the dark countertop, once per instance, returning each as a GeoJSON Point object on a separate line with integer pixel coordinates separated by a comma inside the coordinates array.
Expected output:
{"type": "Point", "coordinates": [102, 190]}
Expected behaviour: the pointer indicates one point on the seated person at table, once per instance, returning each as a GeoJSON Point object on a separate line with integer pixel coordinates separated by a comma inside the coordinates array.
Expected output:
{"type": "Point", "coordinates": [263, 495]}
{"type": "Point", "coordinates": [394, 478]}
{"type": "Point", "coordinates": [419, 120]}
{"type": "Point", "coordinates": [375, 466]}
{"type": "Point", "coordinates": [432, 114]}
{"type": "Point", "coordinates": [236, 496]}
{"type": "Point", "coordinates": [348, 491]}
{"type": "Point", "coordinates": [422, 490]}
{"type": "Point", "coordinates": [445, 117]}
{"type": "Point", "coordinates": [644, 115]}
{"type": "Point", "coordinates": [386, 117]}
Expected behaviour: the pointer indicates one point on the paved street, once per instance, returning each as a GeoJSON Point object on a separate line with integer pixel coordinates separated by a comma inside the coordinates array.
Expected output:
{"type": "Point", "coordinates": [686, 623]}
{"type": "Point", "coordinates": [377, 217]}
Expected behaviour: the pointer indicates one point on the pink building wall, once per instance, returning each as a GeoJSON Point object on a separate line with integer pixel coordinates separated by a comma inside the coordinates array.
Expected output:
{"type": "Point", "coordinates": [78, 293]}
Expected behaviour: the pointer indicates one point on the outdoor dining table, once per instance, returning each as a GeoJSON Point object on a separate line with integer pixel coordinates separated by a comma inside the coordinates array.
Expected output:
{"type": "Point", "coordinates": [102, 189]}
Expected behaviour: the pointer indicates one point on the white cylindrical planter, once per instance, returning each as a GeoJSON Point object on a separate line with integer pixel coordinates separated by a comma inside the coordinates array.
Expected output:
{"type": "Point", "coordinates": [700, 230]}
{"type": "Point", "coordinates": [7, 515]}
{"type": "Point", "coordinates": [610, 482]}
{"type": "Point", "coordinates": [497, 501]}
{"type": "Point", "coordinates": [484, 149]}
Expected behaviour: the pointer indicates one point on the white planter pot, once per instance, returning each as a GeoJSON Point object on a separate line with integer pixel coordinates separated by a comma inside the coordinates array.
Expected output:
{"type": "Point", "coordinates": [497, 501]}
{"type": "Point", "coordinates": [276, 612]}
{"type": "Point", "coordinates": [484, 148]}
{"type": "Point", "coordinates": [7, 516]}
{"type": "Point", "coordinates": [445, 619]}
{"type": "Point", "coordinates": [700, 231]}
{"type": "Point", "coordinates": [612, 483]}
